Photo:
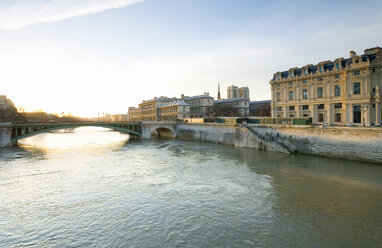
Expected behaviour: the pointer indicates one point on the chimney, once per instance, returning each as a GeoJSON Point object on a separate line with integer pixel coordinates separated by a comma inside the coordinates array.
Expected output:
{"type": "Point", "coordinates": [352, 54]}
{"type": "Point", "coordinates": [182, 96]}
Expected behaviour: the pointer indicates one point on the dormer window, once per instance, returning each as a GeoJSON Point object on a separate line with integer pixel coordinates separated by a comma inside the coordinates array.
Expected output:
{"type": "Point", "coordinates": [320, 68]}
{"type": "Point", "coordinates": [291, 74]}
{"type": "Point", "coordinates": [338, 65]}
{"type": "Point", "coordinates": [304, 71]}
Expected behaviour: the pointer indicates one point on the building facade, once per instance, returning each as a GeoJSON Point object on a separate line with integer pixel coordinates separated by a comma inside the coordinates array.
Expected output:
{"type": "Point", "coordinates": [260, 108]}
{"type": "Point", "coordinates": [174, 111]}
{"type": "Point", "coordinates": [200, 106]}
{"type": "Point", "coordinates": [343, 91]}
{"type": "Point", "coordinates": [149, 108]}
{"type": "Point", "coordinates": [240, 105]}
{"type": "Point", "coordinates": [134, 115]}
{"type": "Point", "coordinates": [233, 92]}
{"type": "Point", "coordinates": [244, 92]}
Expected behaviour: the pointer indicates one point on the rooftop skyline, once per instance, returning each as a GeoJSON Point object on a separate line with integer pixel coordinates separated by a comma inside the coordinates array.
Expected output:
{"type": "Point", "coordinates": [106, 55]}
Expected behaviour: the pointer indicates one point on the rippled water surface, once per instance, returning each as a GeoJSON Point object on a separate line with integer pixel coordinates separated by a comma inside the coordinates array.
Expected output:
{"type": "Point", "coordinates": [92, 187]}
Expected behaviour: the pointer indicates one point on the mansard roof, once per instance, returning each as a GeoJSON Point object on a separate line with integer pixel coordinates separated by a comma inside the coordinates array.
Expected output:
{"type": "Point", "coordinates": [327, 66]}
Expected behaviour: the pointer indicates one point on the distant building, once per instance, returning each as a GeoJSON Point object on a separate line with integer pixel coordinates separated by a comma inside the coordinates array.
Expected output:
{"type": "Point", "coordinates": [233, 92]}
{"type": "Point", "coordinates": [149, 108]}
{"type": "Point", "coordinates": [134, 115]}
{"type": "Point", "coordinates": [200, 106]}
{"type": "Point", "coordinates": [107, 117]}
{"type": "Point", "coordinates": [119, 118]}
{"type": "Point", "coordinates": [240, 106]}
{"type": "Point", "coordinates": [244, 92]}
{"type": "Point", "coordinates": [174, 111]}
{"type": "Point", "coordinates": [260, 108]}
{"type": "Point", "coordinates": [343, 91]}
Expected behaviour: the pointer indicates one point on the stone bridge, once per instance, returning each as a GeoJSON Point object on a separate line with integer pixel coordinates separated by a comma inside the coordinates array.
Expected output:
{"type": "Point", "coordinates": [160, 129]}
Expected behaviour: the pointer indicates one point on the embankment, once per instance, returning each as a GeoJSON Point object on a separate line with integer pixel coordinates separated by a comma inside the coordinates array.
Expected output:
{"type": "Point", "coordinates": [353, 143]}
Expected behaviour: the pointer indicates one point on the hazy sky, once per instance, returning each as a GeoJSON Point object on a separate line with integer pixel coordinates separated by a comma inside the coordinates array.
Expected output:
{"type": "Point", "coordinates": [93, 56]}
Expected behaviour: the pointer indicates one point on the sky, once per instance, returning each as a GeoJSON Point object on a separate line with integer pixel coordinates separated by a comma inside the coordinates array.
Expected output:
{"type": "Point", "coordinates": [101, 56]}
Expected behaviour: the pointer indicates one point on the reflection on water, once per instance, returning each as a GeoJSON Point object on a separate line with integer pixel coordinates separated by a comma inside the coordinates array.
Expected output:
{"type": "Point", "coordinates": [95, 187]}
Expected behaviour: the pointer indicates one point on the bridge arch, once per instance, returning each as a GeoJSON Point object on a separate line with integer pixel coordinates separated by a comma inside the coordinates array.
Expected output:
{"type": "Point", "coordinates": [160, 129]}
{"type": "Point", "coordinates": [163, 132]}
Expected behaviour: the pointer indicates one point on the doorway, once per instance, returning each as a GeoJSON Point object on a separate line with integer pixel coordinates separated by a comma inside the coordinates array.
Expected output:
{"type": "Point", "coordinates": [357, 114]}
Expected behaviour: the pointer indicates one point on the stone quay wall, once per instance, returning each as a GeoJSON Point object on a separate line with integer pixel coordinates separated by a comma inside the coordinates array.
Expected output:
{"type": "Point", "coordinates": [352, 143]}
{"type": "Point", "coordinates": [5, 135]}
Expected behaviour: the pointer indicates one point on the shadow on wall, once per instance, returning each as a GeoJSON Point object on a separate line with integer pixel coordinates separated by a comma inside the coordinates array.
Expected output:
{"type": "Point", "coordinates": [163, 133]}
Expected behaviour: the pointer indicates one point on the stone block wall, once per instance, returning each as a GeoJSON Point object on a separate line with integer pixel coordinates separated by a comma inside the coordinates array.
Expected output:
{"type": "Point", "coordinates": [5, 136]}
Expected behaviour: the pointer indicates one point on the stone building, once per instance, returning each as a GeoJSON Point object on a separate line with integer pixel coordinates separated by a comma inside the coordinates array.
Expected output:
{"type": "Point", "coordinates": [233, 92]}
{"type": "Point", "coordinates": [240, 105]}
{"type": "Point", "coordinates": [244, 92]}
{"type": "Point", "coordinates": [174, 111]}
{"type": "Point", "coordinates": [260, 108]}
{"type": "Point", "coordinates": [149, 108]}
{"type": "Point", "coordinates": [343, 91]}
{"type": "Point", "coordinates": [200, 106]}
{"type": "Point", "coordinates": [134, 115]}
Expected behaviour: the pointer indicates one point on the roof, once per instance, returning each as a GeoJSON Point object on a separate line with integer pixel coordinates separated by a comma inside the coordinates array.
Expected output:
{"type": "Point", "coordinates": [232, 100]}
{"type": "Point", "coordinates": [161, 99]}
{"type": "Point", "coordinates": [176, 104]}
{"type": "Point", "coordinates": [328, 66]}
{"type": "Point", "coordinates": [260, 102]}
{"type": "Point", "coordinates": [197, 97]}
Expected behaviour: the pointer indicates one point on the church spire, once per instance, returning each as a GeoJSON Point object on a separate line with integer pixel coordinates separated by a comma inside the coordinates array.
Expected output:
{"type": "Point", "coordinates": [219, 98]}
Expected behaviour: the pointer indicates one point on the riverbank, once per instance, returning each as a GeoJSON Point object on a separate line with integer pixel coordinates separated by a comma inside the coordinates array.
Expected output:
{"type": "Point", "coordinates": [351, 143]}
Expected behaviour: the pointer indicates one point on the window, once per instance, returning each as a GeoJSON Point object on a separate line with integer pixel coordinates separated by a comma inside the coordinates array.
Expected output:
{"type": "Point", "coordinates": [356, 73]}
{"type": "Point", "coordinates": [320, 68]}
{"type": "Point", "coordinates": [279, 109]}
{"type": "Point", "coordinates": [320, 106]}
{"type": "Point", "coordinates": [373, 105]}
{"type": "Point", "coordinates": [305, 107]}
{"type": "Point", "coordinates": [291, 108]}
{"type": "Point", "coordinates": [320, 92]}
{"type": "Point", "coordinates": [305, 115]}
{"type": "Point", "coordinates": [291, 116]}
{"type": "Point", "coordinates": [304, 94]}
{"type": "Point", "coordinates": [357, 88]}
{"type": "Point", "coordinates": [278, 96]}
{"type": "Point", "coordinates": [337, 76]}
{"type": "Point", "coordinates": [337, 117]}
{"type": "Point", "coordinates": [319, 79]}
{"type": "Point", "coordinates": [291, 95]}
{"type": "Point", "coordinates": [290, 83]}
{"type": "Point", "coordinates": [320, 117]}
{"type": "Point", "coordinates": [337, 90]}
{"type": "Point", "coordinates": [304, 81]}
{"type": "Point", "coordinates": [291, 74]}
{"type": "Point", "coordinates": [338, 65]}
{"type": "Point", "coordinates": [338, 105]}
{"type": "Point", "coordinates": [373, 90]}
{"type": "Point", "coordinates": [304, 71]}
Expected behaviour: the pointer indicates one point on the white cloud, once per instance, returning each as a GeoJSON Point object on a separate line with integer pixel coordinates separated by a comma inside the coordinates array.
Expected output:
{"type": "Point", "coordinates": [22, 13]}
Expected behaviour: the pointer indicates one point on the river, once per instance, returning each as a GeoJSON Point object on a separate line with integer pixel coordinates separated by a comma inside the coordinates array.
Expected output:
{"type": "Point", "coordinates": [93, 187]}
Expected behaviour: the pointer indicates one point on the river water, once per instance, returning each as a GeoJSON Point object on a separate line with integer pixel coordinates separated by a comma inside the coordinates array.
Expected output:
{"type": "Point", "coordinates": [93, 187]}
